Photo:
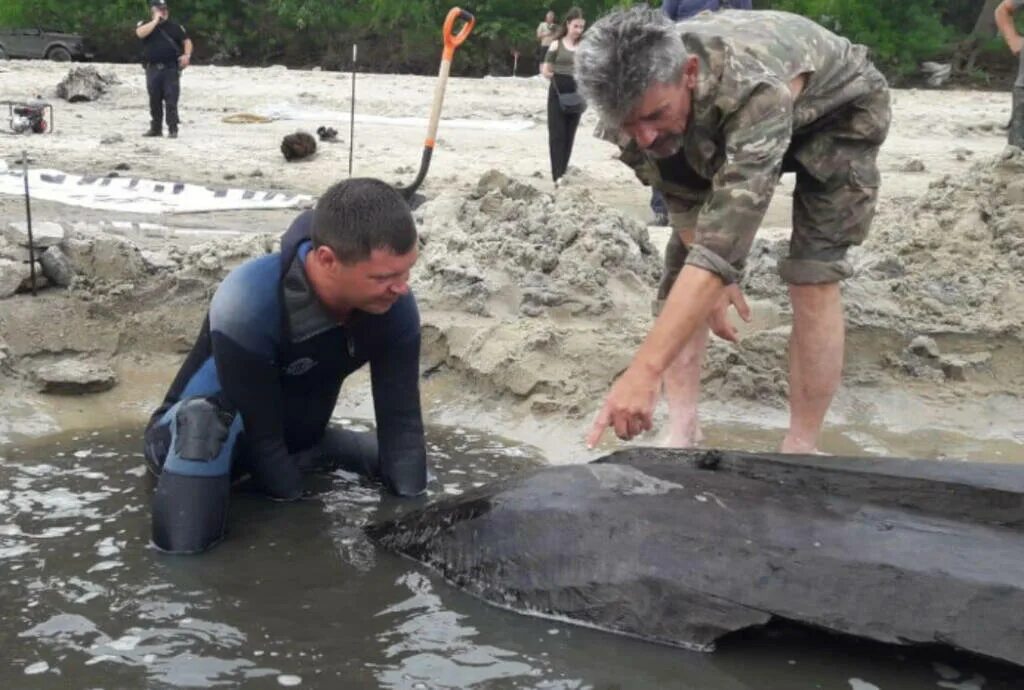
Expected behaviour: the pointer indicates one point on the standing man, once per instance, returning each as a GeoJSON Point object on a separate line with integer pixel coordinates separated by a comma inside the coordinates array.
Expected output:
{"type": "Point", "coordinates": [547, 30]}
{"type": "Point", "coordinates": [1004, 20]}
{"type": "Point", "coordinates": [678, 10]}
{"type": "Point", "coordinates": [283, 331]}
{"type": "Point", "coordinates": [167, 50]}
{"type": "Point", "coordinates": [713, 110]}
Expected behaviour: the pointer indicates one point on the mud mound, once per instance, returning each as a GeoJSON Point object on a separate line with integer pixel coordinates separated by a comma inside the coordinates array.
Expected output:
{"type": "Point", "coordinates": [584, 274]}
{"type": "Point", "coordinates": [958, 262]}
{"type": "Point", "coordinates": [953, 264]}
{"type": "Point", "coordinates": [510, 249]}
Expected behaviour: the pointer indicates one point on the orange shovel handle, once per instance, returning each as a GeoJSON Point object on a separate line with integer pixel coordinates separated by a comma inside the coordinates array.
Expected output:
{"type": "Point", "coordinates": [453, 40]}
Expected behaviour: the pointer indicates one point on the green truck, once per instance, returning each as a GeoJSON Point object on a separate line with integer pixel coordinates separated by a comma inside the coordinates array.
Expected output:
{"type": "Point", "coordinates": [43, 44]}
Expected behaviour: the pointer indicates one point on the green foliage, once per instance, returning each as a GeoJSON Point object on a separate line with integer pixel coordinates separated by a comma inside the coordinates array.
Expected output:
{"type": "Point", "coordinates": [405, 35]}
{"type": "Point", "coordinates": [900, 34]}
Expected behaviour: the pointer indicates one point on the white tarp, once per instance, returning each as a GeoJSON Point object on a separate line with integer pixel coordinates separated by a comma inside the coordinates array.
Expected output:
{"type": "Point", "coordinates": [287, 111]}
{"type": "Point", "coordinates": [139, 195]}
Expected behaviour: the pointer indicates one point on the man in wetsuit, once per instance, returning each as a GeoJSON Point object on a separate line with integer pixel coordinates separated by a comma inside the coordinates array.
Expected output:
{"type": "Point", "coordinates": [711, 111]}
{"type": "Point", "coordinates": [256, 393]}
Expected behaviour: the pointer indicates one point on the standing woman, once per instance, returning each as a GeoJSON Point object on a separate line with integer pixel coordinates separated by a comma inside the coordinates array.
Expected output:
{"type": "Point", "coordinates": [563, 113]}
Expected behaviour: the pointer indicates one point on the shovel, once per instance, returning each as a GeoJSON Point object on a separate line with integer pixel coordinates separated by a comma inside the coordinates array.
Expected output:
{"type": "Point", "coordinates": [451, 42]}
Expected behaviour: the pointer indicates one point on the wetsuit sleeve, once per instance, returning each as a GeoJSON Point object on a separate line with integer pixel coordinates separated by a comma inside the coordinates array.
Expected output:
{"type": "Point", "coordinates": [244, 326]}
{"type": "Point", "coordinates": [757, 135]}
{"type": "Point", "coordinates": [394, 375]}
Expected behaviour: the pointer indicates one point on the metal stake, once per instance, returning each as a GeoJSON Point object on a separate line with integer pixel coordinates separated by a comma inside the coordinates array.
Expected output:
{"type": "Point", "coordinates": [352, 115]}
{"type": "Point", "coordinates": [28, 216]}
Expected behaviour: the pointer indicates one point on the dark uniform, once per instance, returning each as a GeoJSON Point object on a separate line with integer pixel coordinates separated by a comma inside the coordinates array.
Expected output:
{"type": "Point", "coordinates": [257, 392]}
{"type": "Point", "coordinates": [161, 50]}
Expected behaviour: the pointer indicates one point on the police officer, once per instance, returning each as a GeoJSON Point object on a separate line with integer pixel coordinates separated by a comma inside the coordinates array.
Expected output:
{"type": "Point", "coordinates": [167, 50]}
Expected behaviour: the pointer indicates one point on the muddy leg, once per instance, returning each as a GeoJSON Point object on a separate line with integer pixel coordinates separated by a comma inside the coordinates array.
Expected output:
{"type": "Point", "coordinates": [815, 362]}
{"type": "Point", "coordinates": [681, 388]}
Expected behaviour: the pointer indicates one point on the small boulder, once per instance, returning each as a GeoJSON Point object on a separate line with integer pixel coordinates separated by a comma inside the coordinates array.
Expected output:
{"type": "Point", "coordinates": [104, 257]}
{"type": "Point", "coordinates": [13, 275]}
{"type": "Point", "coordinates": [158, 260]}
{"type": "Point", "coordinates": [83, 84]}
{"type": "Point", "coordinates": [914, 165]}
{"type": "Point", "coordinates": [74, 377]}
{"type": "Point", "coordinates": [57, 267]}
{"type": "Point", "coordinates": [44, 234]}
{"type": "Point", "coordinates": [298, 146]}
{"type": "Point", "coordinates": [923, 346]}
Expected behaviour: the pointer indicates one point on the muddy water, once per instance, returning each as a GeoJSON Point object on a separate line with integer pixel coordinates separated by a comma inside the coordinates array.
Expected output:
{"type": "Point", "coordinates": [296, 596]}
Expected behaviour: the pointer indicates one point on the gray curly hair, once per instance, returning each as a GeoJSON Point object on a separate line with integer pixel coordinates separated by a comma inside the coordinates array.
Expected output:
{"type": "Point", "coordinates": [623, 54]}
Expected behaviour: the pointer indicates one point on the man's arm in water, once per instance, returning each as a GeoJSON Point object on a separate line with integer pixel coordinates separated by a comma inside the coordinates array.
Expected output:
{"type": "Point", "coordinates": [394, 375]}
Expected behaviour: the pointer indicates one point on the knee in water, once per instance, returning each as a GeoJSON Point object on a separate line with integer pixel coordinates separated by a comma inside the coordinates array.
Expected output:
{"type": "Point", "coordinates": [202, 430]}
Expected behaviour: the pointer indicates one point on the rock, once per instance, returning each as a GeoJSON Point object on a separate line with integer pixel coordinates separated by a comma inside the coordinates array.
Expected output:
{"type": "Point", "coordinates": [158, 261]}
{"type": "Point", "coordinates": [57, 267]}
{"type": "Point", "coordinates": [923, 346]}
{"type": "Point", "coordinates": [122, 166]}
{"type": "Point", "coordinates": [44, 233]}
{"type": "Point", "coordinates": [914, 165]}
{"type": "Point", "coordinates": [104, 257]}
{"type": "Point", "coordinates": [298, 146]}
{"type": "Point", "coordinates": [957, 367]}
{"type": "Point", "coordinates": [686, 547]}
{"type": "Point", "coordinates": [13, 275]}
{"type": "Point", "coordinates": [15, 252]}
{"type": "Point", "coordinates": [111, 139]}
{"type": "Point", "coordinates": [83, 84]}
{"type": "Point", "coordinates": [210, 263]}
{"type": "Point", "coordinates": [74, 377]}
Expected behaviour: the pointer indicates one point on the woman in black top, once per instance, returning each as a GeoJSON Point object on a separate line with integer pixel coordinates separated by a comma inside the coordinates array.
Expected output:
{"type": "Point", "coordinates": [558, 67]}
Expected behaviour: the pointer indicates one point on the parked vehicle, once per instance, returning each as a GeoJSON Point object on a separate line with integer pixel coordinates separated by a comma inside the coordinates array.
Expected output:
{"type": "Point", "coordinates": [42, 44]}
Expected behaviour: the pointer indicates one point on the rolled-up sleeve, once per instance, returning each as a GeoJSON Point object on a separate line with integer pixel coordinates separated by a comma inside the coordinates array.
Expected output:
{"type": "Point", "coordinates": [757, 135]}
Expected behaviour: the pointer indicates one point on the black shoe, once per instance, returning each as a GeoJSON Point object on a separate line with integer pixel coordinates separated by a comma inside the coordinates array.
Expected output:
{"type": "Point", "coordinates": [153, 133]}
{"type": "Point", "coordinates": [172, 134]}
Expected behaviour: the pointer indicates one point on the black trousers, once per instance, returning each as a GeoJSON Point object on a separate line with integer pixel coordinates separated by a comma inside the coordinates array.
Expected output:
{"type": "Point", "coordinates": [561, 127]}
{"type": "Point", "coordinates": [162, 83]}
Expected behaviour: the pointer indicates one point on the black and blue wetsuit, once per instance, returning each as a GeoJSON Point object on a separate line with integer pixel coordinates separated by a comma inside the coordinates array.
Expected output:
{"type": "Point", "coordinates": [258, 389]}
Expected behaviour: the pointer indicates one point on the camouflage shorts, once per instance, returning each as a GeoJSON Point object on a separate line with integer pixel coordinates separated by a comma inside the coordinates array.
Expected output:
{"type": "Point", "coordinates": [834, 200]}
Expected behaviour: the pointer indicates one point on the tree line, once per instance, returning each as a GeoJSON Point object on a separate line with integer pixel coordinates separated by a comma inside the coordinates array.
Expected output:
{"type": "Point", "coordinates": [405, 35]}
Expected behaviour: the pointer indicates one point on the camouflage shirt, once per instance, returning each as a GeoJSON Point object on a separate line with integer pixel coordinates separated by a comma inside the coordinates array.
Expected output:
{"type": "Point", "coordinates": [743, 117]}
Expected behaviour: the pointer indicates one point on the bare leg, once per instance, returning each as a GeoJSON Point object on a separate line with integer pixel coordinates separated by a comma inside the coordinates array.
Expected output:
{"type": "Point", "coordinates": [815, 362]}
{"type": "Point", "coordinates": [681, 387]}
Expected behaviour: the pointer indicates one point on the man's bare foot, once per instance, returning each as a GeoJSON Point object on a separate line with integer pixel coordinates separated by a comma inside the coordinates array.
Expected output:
{"type": "Point", "coordinates": [689, 436]}
{"type": "Point", "coordinates": [799, 447]}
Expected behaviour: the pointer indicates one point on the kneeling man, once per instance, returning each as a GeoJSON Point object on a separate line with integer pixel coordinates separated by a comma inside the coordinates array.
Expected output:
{"type": "Point", "coordinates": [283, 331]}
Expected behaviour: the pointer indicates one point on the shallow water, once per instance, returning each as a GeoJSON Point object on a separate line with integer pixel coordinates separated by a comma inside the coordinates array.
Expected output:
{"type": "Point", "coordinates": [296, 596]}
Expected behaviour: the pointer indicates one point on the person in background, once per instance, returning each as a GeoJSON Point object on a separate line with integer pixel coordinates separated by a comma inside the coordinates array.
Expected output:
{"type": "Point", "coordinates": [167, 50]}
{"type": "Point", "coordinates": [1004, 21]}
{"type": "Point", "coordinates": [558, 67]}
{"type": "Point", "coordinates": [547, 30]}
